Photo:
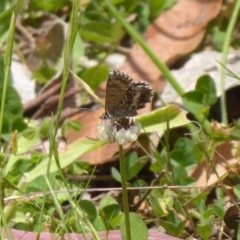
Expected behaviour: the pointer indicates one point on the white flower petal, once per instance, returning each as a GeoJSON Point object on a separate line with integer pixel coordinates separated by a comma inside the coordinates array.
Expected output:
{"type": "Point", "coordinates": [111, 130]}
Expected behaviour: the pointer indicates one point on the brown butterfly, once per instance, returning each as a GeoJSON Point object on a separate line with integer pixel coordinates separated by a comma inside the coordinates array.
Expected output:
{"type": "Point", "coordinates": [124, 97]}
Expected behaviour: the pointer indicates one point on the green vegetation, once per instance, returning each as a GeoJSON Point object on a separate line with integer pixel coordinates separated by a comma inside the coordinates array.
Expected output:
{"type": "Point", "coordinates": [33, 182]}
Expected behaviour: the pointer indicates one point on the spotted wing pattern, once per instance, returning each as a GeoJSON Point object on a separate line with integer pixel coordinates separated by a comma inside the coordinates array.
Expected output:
{"type": "Point", "coordinates": [124, 97]}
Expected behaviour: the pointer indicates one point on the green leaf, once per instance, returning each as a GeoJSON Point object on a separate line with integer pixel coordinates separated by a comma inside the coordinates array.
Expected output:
{"type": "Point", "coordinates": [156, 6]}
{"type": "Point", "coordinates": [30, 133]}
{"type": "Point", "coordinates": [179, 173]}
{"type": "Point", "coordinates": [184, 144]}
{"type": "Point", "coordinates": [94, 76]}
{"type": "Point", "coordinates": [18, 124]}
{"type": "Point", "coordinates": [159, 209]}
{"type": "Point", "coordinates": [89, 208]}
{"type": "Point", "coordinates": [236, 190]}
{"type": "Point", "coordinates": [48, 6]}
{"type": "Point", "coordinates": [134, 165]}
{"type": "Point", "coordinates": [208, 216]}
{"type": "Point", "coordinates": [218, 39]}
{"type": "Point", "coordinates": [235, 134]}
{"type": "Point", "coordinates": [5, 18]}
{"type": "Point", "coordinates": [173, 229]}
{"type": "Point", "coordinates": [12, 118]}
{"type": "Point", "coordinates": [108, 200]}
{"type": "Point", "coordinates": [206, 85]}
{"type": "Point", "coordinates": [45, 127]}
{"type": "Point", "coordinates": [98, 32]}
{"type": "Point", "coordinates": [98, 224]}
{"type": "Point", "coordinates": [116, 174]}
{"type": "Point", "coordinates": [158, 120]}
{"type": "Point", "coordinates": [36, 157]}
{"type": "Point", "coordinates": [43, 74]}
{"type": "Point", "coordinates": [110, 212]}
{"type": "Point", "coordinates": [13, 106]}
{"type": "Point", "coordinates": [74, 125]}
{"type": "Point", "coordinates": [219, 211]}
{"type": "Point", "coordinates": [78, 52]}
{"type": "Point", "coordinates": [6, 127]}
{"type": "Point", "coordinates": [196, 198]}
{"type": "Point", "coordinates": [182, 158]}
{"type": "Point", "coordinates": [138, 228]}
{"type": "Point", "coordinates": [73, 151]}
{"type": "Point", "coordinates": [194, 102]}
{"type": "Point", "coordinates": [204, 231]}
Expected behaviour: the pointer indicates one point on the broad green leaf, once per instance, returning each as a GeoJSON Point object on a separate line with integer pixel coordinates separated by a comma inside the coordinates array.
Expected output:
{"type": "Point", "coordinates": [108, 200]}
{"type": "Point", "coordinates": [134, 166]}
{"type": "Point", "coordinates": [5, 18]}
{"type": "Point", "coordinates": [18, 123]}
{"type": "Point", "coordinates": [157, 120]}
{"type": "Point", "coordinates": [98, 224]}
{"type": "Point", "coordinates": [98, 32]}
{"type": "Point", "coordinates": [73, 151]}
{"type": "Point", "coordinates": [159, 210]}
{"type": "Point", "coordinates": [74, 125]}
{"type": "Point", "coordinates": [236, 190]}
{"type": "Point", "coordinates": [24, 146]}
{"type": "Point", "coordinates": [45, 127]}
{"type": "Point", "coordinates": [194, 102]}
{"type": "Point", "coordinates": [70, 124]}
{"type": "Point", "coordinates": [218, 39]}
{"type": "Point", "coordinates": [110, 212]}
{"type": "Point", "coordinates": [138, 228]}
{"type": "Point", "coordinates": [94, 76]}
{"type": "Point", "coordinates": [204, 231]}
{"type": "Point", "coordinates": [235, 134]}
{"type": "Point", "coordinates": [43, 74]}
{"type": "Point", "coordinates": [238, 231]}
{"type": "Point", "coordinates": [30, 133]}
{"type": "Point", "coordinates": [89, 208]}
{"type": "Point", "coordinates": [78, 52]}
{"type": "Point", "coordinates": [207, 216]}
{"type": "Point", "coordinates": [182, 158]}
{"type": "Point", "coordinates": [184, 144]}
{"type": "Point", "coordinates": [50, 5]}
{"type": "Point", "coordinates": [206, 85]}
{"type": "Point", "coordinates": [219, 211]}
{"type": "Point", "coordinates": [173, 229]}
{"type": "Point", "coordinates": [13, 106]}
{"type": "Point", "coordinates": [115, 174]}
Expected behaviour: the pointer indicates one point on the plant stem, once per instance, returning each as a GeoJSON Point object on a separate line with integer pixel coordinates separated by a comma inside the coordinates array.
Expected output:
{"type": "Point", "coordinates": [124, 192]}
{"type": "Point", "coordinates": [226, 45]}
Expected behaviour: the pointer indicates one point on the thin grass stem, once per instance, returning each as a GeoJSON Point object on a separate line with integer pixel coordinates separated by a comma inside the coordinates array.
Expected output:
{"type": "Point", "coordinates": [124, 192]}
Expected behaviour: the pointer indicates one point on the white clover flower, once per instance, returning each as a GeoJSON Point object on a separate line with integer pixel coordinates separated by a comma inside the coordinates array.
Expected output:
{"type": "Point", "coordinates": [121, 130]}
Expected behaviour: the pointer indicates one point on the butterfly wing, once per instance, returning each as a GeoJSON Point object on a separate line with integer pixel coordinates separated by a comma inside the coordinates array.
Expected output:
{"type": "Point", "coordinates": [136, 98]}
{"type": "Point", "coordinates": [124, 97]}
{"type": "Point", "coordinates": [117, 85]}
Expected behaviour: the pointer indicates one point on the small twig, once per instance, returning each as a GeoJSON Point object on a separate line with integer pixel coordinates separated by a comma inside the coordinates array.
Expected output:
{"type": "Point", "coordinates": [52, 102]}
{"type": "Point", "coordinates": [41, 98]}
{"type": "Point", "coordinates": [153, 183]}
{"type": "Point", "coordinates": [40, 194]}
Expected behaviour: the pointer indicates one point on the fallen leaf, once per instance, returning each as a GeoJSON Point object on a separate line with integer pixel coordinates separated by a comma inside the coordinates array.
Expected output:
{"type": "Point", "coordinates": [174, 34]}
{"type": "Point", "coordinates": [225, 157]}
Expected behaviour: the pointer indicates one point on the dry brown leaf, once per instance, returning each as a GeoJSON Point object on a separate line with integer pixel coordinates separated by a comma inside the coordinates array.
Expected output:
{"type": "Point", "coordinates": [225, 156]}
{"type": "Point", "coordinates": [172, 35]}
{"type": "Point", "coordinates": [49, 45]}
